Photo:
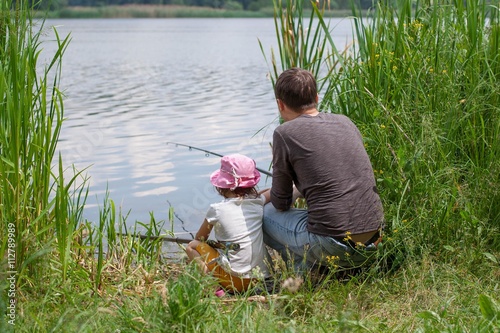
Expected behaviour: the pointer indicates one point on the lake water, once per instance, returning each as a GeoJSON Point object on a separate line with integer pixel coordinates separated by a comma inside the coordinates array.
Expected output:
{"type": "Point", "coordinates": [132, 85]}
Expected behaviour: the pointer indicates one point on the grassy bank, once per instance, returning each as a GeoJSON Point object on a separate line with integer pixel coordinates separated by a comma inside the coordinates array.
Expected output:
{"type": "Point", "coordinates": [422, 84]}
{"type": "Point", "coordinates": [430, 296]}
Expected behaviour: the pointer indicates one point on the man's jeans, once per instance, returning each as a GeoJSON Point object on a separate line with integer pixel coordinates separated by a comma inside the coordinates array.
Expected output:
{"type": "Point", "coordinates": [286, 232]}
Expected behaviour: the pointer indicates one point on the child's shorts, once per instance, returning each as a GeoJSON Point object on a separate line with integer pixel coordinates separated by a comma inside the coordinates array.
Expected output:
{"type": "Point", "coordinates": [226, 280]}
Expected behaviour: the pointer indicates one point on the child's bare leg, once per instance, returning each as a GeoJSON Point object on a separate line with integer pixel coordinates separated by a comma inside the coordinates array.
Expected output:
{"type": "Point", "coordinates": [195, 255]}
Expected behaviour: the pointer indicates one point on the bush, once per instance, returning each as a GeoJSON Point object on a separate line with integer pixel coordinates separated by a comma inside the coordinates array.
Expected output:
{"type": "Point", "coordinates": [233, 5]}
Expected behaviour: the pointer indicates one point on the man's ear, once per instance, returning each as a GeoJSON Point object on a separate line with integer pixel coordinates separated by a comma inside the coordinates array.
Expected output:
{"type": "Point", "coordinates": [281, 105]}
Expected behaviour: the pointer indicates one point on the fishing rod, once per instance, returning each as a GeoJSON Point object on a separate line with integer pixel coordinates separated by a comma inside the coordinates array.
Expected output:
{"type": "Point", "coordinates": [208, 152]}
{"type": "Point", "coordinates": [213, 243]}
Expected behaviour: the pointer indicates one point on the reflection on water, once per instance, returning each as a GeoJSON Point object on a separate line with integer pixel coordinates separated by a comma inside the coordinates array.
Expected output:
{"type": "Point", "coordinates": [131, 85]}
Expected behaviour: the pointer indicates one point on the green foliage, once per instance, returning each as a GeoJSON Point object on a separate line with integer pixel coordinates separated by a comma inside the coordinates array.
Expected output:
{"type": "Point", "coordinates": [68, 214]}
{"type": "Point", "coordinates": [423, 86]}
{"type": "Point", "coordinates": [229, 9]}
{"type": "Point", "coordinates": [233, 5]}
{"type": "Point", "coordinates": [185, 300]}
{"type": "Point", "coordinates": [31, 113]}
{"type": "Point", "coordinates": [301, 42]}
{"type": "Point", "coordinates": [245, 4]}
{"type": "Point", "coordinates": [438, 322]}
{"type": "Point", "coordinates": [49, 4]}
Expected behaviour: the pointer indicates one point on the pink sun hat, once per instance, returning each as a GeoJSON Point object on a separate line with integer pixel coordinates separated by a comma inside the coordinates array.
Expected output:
{"type": "Point", "coordinates": [236, 170]}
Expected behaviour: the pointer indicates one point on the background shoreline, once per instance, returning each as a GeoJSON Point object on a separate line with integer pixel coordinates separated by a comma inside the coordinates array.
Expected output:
{"type": "Point", "coordinates": [167, 11]}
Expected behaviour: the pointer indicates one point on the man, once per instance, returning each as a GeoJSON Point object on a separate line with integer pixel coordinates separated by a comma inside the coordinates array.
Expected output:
{"type": "Point", "coordinates": [322, 157]}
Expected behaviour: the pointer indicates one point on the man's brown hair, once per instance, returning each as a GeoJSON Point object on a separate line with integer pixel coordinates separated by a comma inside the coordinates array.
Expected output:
{"type": "Point", "coordinates": [296, 88]}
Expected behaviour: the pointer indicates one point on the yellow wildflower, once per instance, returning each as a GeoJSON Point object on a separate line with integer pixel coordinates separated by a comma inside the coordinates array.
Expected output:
{"type": "Point", "coordinates": [360, 245]}
{"type": "Point", "coordinates": [417, 24]}
{"type": "Point", "coordinates": [332, 261]}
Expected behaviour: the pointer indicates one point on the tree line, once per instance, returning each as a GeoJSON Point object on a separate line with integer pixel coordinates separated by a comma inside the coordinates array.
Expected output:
{"type": "Point", "coordinates": [243, 4]}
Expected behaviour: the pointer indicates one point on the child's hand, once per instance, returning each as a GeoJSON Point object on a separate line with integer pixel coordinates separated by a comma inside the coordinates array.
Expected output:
{"type": "Point", "coordinates": [267, 195]}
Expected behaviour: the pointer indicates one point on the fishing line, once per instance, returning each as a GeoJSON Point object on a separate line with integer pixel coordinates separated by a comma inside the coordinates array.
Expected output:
{"type": "Point", "coordinates": [182, 221]}
{"type": "Point", "coordinates": [208, 153]}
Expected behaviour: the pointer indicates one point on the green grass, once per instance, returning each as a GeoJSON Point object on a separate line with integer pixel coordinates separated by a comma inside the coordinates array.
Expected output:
{"type": "Point", "coordinates": [421, 83]}
{"type": "Point", "coordinates": [432, 295]}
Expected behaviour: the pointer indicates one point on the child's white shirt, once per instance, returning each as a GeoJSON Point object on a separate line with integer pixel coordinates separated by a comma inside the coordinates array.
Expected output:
{"type": "Point", "coordinates": [239, 221]}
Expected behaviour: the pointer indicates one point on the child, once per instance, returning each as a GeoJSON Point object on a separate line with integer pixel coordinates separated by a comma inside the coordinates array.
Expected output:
{"type": "Point", "coordinates": [236, 220]}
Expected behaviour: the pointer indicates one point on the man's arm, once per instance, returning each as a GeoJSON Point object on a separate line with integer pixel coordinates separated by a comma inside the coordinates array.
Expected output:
{"type": "Point", "coordinates": [267, 195]}
{"type": "Point", "coordinates": [281, 194]}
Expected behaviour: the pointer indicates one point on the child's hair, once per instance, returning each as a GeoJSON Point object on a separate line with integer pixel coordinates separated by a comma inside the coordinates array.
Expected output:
{"type": "Point", "coordinates": [240, 192]}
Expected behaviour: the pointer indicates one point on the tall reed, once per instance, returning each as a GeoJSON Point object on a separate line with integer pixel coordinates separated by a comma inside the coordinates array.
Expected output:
{"type": "Point", "coordinates": [31, 115]}
{"type": "Point", "coordinates": [302, 42]}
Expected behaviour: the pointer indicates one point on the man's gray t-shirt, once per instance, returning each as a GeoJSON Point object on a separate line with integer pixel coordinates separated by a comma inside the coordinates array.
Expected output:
{"type": "Point", "coordinates": [325, 157]}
